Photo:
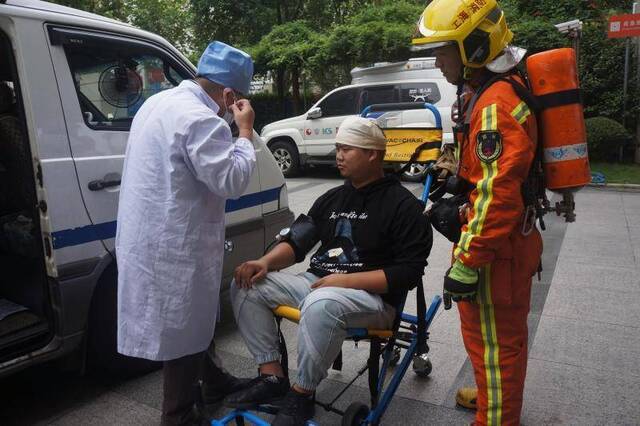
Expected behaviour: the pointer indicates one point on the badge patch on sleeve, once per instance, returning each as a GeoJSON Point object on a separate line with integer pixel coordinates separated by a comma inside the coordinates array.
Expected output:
{"type": "Point", "coordinates": [489, 145]}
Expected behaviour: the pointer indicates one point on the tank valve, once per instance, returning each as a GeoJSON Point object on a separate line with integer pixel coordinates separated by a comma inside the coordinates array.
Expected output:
{"type": "Point", "coordinates": [567, 207]}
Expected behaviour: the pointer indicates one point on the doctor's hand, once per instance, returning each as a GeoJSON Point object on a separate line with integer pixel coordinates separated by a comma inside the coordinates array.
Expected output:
{"type": "Point", "coordinates": [247, 274]}
{"type": "Point", "coordinates": [244, 117]}
{"type": "Point", "coordinates": [333, 280]}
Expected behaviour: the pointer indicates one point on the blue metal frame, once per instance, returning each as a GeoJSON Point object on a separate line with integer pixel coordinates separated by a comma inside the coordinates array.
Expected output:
{"type": "Point", "coordinates": [375, 415]}
{"type": "Point", "coordinates": [429, 179]}
{"type": "Point", "coordinates": [365, 112]}
{"type": "Point", "coordinates": [250, 417]}
{"type": "Point", "coordinates": [240, 413]}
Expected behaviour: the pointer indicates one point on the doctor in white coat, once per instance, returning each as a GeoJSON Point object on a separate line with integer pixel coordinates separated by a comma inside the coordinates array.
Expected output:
{"type": "Point", "coordinates": [180, 167]}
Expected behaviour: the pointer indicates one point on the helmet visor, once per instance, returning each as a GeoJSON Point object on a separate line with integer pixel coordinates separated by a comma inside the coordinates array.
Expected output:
{"type": "Point", "coordinates": [430, 47]}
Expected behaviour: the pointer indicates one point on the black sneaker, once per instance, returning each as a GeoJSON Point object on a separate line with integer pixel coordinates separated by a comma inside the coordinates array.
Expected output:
{"type": "Point", "coordinates": [227, 384]}
{"type": "Point", "coordinates": [296, 409]}
{"type": "Point", "coordinates": [264, 389]}
{"type": "Point", "coordinates": [192, 417]}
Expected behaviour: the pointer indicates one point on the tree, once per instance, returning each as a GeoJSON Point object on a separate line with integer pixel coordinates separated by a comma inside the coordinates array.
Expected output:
{"type": "Point", "coordinates": [373, 34]}
{"type": "Point", "coordinates": [115, 9]}
{"type": "Point", "coordinates": [286, 49]}
{"type": "Point", "coordinates": [238, 23]}
{"type": "Point", "coordinates": [326, 39]}
{"type": "Point", "coordinates": [601, 59]}
{"type": "Point", "coordinates": [171, 19]}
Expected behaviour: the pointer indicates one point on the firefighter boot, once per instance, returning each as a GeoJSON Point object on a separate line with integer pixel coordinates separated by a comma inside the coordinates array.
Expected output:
{"type": "Point", "coordinates": [467, 397]}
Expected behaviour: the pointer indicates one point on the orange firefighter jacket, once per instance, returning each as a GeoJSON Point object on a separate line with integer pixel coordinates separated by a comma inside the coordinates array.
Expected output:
{"type": "Point", "coordinates": [495, 159]}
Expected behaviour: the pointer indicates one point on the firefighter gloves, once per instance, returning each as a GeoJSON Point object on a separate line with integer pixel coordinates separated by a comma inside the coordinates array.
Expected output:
{"type": "Point", "coordinates": [460, 283]}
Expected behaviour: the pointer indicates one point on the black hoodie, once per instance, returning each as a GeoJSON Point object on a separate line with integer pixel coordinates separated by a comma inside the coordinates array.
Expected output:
{"type": "Point", "coordinates": [379, 226]}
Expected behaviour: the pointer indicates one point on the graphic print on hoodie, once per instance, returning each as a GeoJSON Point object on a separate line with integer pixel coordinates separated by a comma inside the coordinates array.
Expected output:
{"type": "Point", "coordinates": [342, 251]}
{"type": "Point", "coordinates": [378, 226]}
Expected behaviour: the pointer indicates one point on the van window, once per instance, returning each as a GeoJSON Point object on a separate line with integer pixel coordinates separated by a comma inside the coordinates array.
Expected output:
{"type": "Point", "coordinates": [378, 95]}
{"type": "Point", "coordinates": [420, 92]}
{"type": "Point", "coordinates": [342, 102]}
{"type": "Point", "coordinates": [113, 82]}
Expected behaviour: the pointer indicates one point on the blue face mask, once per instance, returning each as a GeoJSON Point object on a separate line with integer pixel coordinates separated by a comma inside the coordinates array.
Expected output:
{"type": "Point", "coordinates": [228, 114]}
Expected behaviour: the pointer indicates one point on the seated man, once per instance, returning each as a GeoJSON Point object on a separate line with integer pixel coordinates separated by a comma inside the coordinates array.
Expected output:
{"type": "Point", "coordinates": [374, 245]}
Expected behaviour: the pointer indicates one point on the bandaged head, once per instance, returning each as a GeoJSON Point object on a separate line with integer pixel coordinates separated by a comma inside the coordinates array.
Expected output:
{"type": "Point", "coordinates": [361, 133]}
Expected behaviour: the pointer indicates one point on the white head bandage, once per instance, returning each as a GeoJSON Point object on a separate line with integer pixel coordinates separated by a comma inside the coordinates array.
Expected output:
{"type": "Point", "coordinates": [361, 133]}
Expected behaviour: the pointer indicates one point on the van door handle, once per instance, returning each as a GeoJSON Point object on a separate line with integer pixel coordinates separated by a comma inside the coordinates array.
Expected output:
{"type": "Point", "coordinates": [110, 180]}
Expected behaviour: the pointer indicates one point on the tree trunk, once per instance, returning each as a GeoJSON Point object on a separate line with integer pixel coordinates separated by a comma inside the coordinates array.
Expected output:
{"type": "Point", "coordinates": [295, 90]}
{"type": "Point", "coordinates": [279, 11]}
{"type": "Point", "coordinates": [280, 88]}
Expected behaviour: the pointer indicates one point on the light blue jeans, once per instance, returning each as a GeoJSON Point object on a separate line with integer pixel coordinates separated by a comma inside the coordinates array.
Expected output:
{"type": "Point", "coordinates": [326, 313]}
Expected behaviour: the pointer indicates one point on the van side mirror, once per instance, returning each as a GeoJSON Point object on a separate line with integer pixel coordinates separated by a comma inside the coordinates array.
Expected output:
{"type": "Point", "coordinates": [314, 113]}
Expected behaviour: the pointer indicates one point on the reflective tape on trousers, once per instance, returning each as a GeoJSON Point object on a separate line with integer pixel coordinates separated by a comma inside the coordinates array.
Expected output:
{"type": "Point", "coordinates": [565, 153]}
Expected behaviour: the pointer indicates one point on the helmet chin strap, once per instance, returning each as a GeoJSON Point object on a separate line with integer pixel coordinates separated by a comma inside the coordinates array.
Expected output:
{"type": "Point", "coordinates": [460, 87]}
{"type": "Point", "coordinates": [467, 73]}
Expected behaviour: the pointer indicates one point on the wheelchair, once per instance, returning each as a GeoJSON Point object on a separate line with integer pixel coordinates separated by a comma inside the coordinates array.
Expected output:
{"type": "Point", "coordinates": [409, 332]}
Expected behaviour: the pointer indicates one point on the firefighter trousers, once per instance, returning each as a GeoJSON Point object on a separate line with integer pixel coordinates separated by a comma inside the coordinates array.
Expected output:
{"type": "Point", "coordinates": [495, 337]}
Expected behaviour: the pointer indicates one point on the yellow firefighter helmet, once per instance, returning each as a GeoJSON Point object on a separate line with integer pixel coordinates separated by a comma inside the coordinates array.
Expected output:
{"type": "Point", "coordinates": [477, 27]}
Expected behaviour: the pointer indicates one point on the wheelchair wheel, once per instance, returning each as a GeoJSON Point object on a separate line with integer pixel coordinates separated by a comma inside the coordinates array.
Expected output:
{"type": "Point", "coordinates": [355, 414]}
{"type": "Point", "coordinates": [422, 365]}
{"type": "Point", "coordinates": [395, 357]}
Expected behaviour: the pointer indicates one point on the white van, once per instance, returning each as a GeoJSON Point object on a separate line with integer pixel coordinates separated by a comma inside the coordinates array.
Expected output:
{"type": "Point", "coordinates": [70, 83]}
{"type": "Point", "coordinates": [310, 138]}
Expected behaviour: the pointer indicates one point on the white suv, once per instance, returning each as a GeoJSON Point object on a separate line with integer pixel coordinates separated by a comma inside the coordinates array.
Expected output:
{"type": "Point", "coordinates": [310, 138]}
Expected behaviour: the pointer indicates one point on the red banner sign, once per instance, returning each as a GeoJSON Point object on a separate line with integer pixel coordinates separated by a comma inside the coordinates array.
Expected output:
{"type": "Point", "coordinates": [621, 26]}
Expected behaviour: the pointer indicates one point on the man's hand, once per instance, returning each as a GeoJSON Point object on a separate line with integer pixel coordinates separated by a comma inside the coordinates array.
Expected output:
{"type": "Point", "coordinates": [460, 283]}
{"type": "Point", "coordinates": [244, 117]}
{"type": "Point", "coordinates": [333, 280]}
{"type": "Point", "coordinates": [247, 274]}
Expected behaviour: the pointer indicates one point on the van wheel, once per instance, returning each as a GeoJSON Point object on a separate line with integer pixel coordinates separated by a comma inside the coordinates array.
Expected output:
{"type": "Point", "coordinates": [286, 155]}
{"type": "Point", "coordinates": [102, 354]}
{"type": "Point", "coordinates": [415, 173]}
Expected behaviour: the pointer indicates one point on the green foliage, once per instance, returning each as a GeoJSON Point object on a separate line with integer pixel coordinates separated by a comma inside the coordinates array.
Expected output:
{"type": "Point", "coordinates": [172, 19]}
{"type": "Point", "coordinates": [269, 108]}
{"type": "Point", "coordinates": [115, 9]}
{"type": "Point", "coordinates": [286, 46]}
{"type": "Point", "coordinates": [371, 35]}
{"type": "Point", "coordinates": [374, 34]}
{"type": "Point", "coordinates": [601, 73]}
{"type": "Point", "coordinates": [234, 22]}
{"type": "Point", "coordinates": [618, 173]}
{"type": "Point", "coordinates": [601, 59]}
{"type": "Point", "coordinates": [537, 35]}
{"type": "Point", "coordinates": [169, 18]}
{"type": "Point", "coordinates": [323, 40]}
{"type": "Point", "coordinates": [605, 137]}
{"type": "Point", "coordinates": [559, 10]}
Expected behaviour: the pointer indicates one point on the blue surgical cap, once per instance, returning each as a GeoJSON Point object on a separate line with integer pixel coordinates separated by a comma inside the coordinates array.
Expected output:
{"type": "Point", "coordinates": [227, 66]}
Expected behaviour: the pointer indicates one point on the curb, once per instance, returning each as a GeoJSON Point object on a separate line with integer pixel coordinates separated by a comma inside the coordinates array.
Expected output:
{"type": "Point", "coordinates": [626, 187]}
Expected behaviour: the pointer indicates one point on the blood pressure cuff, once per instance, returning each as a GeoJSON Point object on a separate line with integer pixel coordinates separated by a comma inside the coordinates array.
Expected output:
{"type": "Point", "coordinates": [302, 236]}
{"type": "Point", "coordinates": [445, 216]}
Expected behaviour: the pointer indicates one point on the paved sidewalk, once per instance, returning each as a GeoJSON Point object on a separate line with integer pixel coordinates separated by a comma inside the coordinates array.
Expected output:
{"type": "Point", "coordinates": [584, 327]}
{"type": "Point", "coordinates": [583, 366]}
{"type": "Point", "coordinates": [584, 339]}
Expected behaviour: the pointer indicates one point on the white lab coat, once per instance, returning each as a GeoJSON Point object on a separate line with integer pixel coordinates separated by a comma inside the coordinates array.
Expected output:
{"type": "Point", "coordinates": [180, 167]}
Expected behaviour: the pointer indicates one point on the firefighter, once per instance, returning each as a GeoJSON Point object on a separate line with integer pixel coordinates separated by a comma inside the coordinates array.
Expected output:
{"type": "Point", "coordinates": [497, 245]}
